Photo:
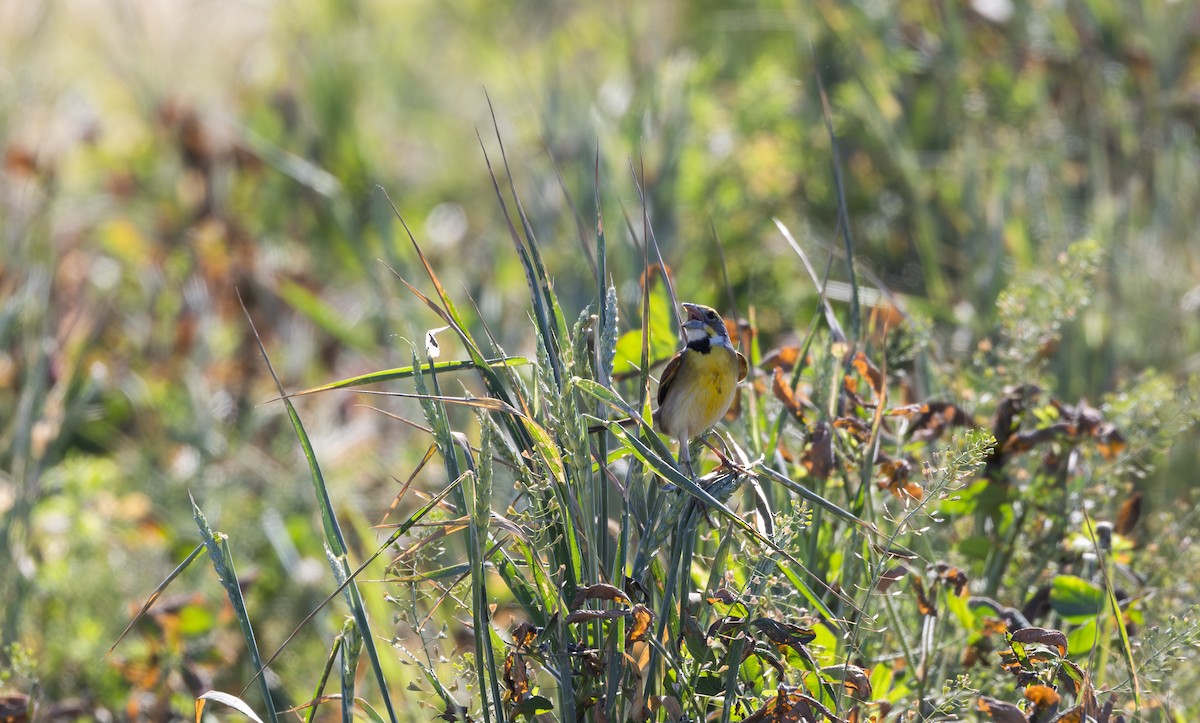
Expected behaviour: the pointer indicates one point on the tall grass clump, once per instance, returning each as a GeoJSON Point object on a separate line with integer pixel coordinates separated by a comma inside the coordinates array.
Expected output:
{"type": "Point", "coordinates": [876, 533]}
{"type": "Point", "coordinates": [155, 159]}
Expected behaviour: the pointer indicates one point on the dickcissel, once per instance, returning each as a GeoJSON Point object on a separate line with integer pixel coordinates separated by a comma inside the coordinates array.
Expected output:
{"type": "Point", "coordinates": [697, 386]}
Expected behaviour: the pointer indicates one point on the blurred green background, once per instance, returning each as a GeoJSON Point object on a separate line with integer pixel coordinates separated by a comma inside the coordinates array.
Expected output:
{"type": "Point", "coordinates": [161, 157]}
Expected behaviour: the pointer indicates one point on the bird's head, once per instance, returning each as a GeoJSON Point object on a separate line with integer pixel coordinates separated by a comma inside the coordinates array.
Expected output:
{"type": "Point", "coordinates": [704, 323]}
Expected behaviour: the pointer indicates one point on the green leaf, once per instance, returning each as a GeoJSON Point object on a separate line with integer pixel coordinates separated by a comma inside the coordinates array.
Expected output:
{"type": "Point", "coordinates": [977, 547]}
{"type": "Point", "coordinates": [885, 685]}
{"type": "Point", "coordinates": [195, 620]}
{"type": "Point", "coordinates": [752, 671]}
{"type": "Point", "coordinates": [825, 645]}
{"type": "Point", "coordinates": [1082, 639]}
{"type": "Point", "coordinates": [736, 609]}
{"type": "Point", "coordinates": [710, 684]}
{"type": "Point", "coordinates": [663, 340]}
{"type": "Point", "coordinates": [534, 705]}
{"type": "Point", "coordinates": [959, 608]}
{"type": "Point", "coordinates": [965, 501]}
{"type": "Point", "coordinates": [1076, 599]}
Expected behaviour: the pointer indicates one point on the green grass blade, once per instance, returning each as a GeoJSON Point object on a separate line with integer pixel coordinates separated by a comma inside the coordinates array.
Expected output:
{"type": "Point", "coordinates": [549, 332]}
{"type": "Point", "coordinates": [388, 375]}
{"type": "Point", "coordinates": [158, 591]}
{"type": "Point", "coordinates": [400, 530]}
{"type": "Point", "coordinates": [650, 240]}
{"type": "Point", "coordinates": [301, 170]}
{"type": "Point", "coordinates": [480, 510]}
{"type": "Point", "coordinates": [448, 443]}
{"type": "Point", "coordinates": [657, 461]}
{"type": "Point", "coordinates": [358, 610]}
{"type": "Point", "coordinates": [453, 707]}
{"type": "Point", "coordinates": [352, 643]}
{"type": "Point", "coordinates": [605, 335]}
{"type": "Point", "coordinates": [605, 311]}
{"type": "Point", "coordinates": [324, 316]}
{"type": "Point", "coordinates": [368, 710]}
{"type": "Point", "coordinates": [549, 595]}
{"type": "Point", "coordinates": [843, 214]}
{"type": "Point", "coordinates": [449, 314]}
{"type": "Point", "coordinates": [525, 592]}
{"type": "Point", "coordinates": [323, 680]}
{"type": "Point", "coordinates": [1118, 617]}
{"type": "Point", "coordinates": [546, 309]}
{"type": "Point", "coordinates": [818, 284]}
{"type": "Point", "coordinates": [334, 541]}
{"type": "Point", "coordinates": [618, 576]}
{"type": "Point", "coordinates": [222, 559]}
{"type": "Point", "coordinates": [580, 228]}
{"type": "Point", "coordinates": [674, 590]}
{"type": "Point", "coordinates": [817, 499]}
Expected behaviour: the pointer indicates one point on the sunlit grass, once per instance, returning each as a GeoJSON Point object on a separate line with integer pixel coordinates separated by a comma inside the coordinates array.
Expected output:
{"type": "Point", "coordinates": [157, 160]}
{"type": "Point", "coordinates": [634, 589]}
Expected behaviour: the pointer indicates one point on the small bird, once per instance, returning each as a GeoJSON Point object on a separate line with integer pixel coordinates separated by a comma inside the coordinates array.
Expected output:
{"type": "Point", "coordinates": [697, 386]}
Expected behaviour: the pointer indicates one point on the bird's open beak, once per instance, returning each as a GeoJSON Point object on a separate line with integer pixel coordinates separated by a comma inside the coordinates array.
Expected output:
{"type": "Point", "coordinates": [693, 312]}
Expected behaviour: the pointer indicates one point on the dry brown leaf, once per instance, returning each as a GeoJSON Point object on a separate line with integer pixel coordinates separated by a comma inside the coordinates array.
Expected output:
{"type": "Point", "coordinates": [1129, 514]}
{"type": "Point", "coordinates": [516, 677]}
{"type": "Point", "coordinates": [599, 591]}
{"type": "Point", "coordinates": [999, 711]}
{"type": "Point", "coordinates": [1042, 636]}
{"type": "Point", "coordinates": [784, 393]}
{"type": "Point", "coordinates": [525, 634]}
{"type": "Point", "coordinates": [640, 625]}
{"type": "Point", "coordinates": [1043, 696]}
{"type": "Point", "coordinates": [867, 369]}
{"type": "Point", "coordinates": [953, 576]}
{"type": "Point", "coordinates": [818, 457]}
{"type": "Point", "coordinates": [784, 357]}
{"type": "Point", "coordinates": [722, 595]}
{"type": "Point", "coordinates": [586, 616]}
{"type": "Point", "coordinates": [923, 603]}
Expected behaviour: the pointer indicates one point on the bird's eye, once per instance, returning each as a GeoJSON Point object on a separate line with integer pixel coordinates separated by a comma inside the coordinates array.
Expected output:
{"type": "Point", "coordinates": [712, 315]}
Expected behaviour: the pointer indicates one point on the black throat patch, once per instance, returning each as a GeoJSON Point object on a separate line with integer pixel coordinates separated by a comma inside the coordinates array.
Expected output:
{"type": "Point", "coordinates": [703, 346]}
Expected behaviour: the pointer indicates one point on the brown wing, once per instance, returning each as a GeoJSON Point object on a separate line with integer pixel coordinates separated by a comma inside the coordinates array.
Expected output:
{"type": "Point", "coordinates": [743, 366]}
{"type": "Point", "coordinates": [668, 376]}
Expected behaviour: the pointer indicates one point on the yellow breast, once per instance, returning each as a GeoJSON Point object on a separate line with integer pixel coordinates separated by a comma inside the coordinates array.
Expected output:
{"type": "Point", "coordinates": [701, 393]}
